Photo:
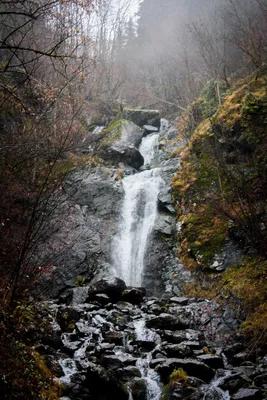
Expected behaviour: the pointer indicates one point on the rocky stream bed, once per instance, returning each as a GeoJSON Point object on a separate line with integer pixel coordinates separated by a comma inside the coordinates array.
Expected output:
{"type": "Point", "coordinates": [112, 342]}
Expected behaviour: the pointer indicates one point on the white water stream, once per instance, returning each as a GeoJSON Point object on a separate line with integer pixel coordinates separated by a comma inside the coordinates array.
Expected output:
{"type": "Point", "coordinates": [138, 217]}
{"type": "Point", "coordinates": [151, 377]}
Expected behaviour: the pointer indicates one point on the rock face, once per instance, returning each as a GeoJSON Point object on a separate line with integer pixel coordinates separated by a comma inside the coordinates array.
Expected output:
{"type": "Point", "coordinates": [118, 350]}
{"type": "Point", "coordinates": [85, 221]}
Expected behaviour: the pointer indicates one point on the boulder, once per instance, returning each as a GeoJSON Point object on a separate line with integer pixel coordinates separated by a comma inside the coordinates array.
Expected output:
{"type": "Point", "coordinates": [143, 117]}
{"type": "Point", "coordinates": [102, 383]}
{"type": "Point", "coordinates": [149, 129]}
{"type": "Point", "coordinates": [190, 366]}
{"type": "Point", "coordinates": [248, 394]}
{"type": "Point", "coordinates": [138, 389]}
{"type": "Point", "coordinates": [178, 350]}
{"type": "Point", "coordinates": [174, 337]}
{"type": "Point", "coordinates": [128, 373]}
{"type": "Point", "coordinates": [168, 321]}
{"type": "Point", "coordinates": [122, 152]}
{"type": "Point", "coordinates": [112, 287]}
{"type": "Point", "coordinates": [114, 337]}
{"type": "Point", "coordinates": [211, 360]}
{"type": "Point", "coordinates": [118, 361]}
{"type": "Point", "coordinates": [134, 295]}
{"type": "Point", "coordinates": [118, 144]}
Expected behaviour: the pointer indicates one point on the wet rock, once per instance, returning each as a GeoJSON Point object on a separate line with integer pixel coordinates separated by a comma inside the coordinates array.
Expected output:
{"type": "Point", "coordinates": [190, 366]}
{"type": "Point", "coordinates": [138, 389]}
{"type": "Point", "coordinates": [118, 361]}
{"type": "Point", "coordinates": [143, 117]}
{"type": "Point", "coordinates": [165, 224]}
{"type": "Point", "coordinates": [114, 337]}
{"type": "Point", "coordinates": [128, 373]}
{"type": "Point", "coordinates": [155, 309]}
{"type": "Point", "coordinates": [102, 299]}
{"type": "Point", "coordinates": [174, 337]}
{"type": "Point", "coordinates": [248, 394]}
{"type": "Point", "coordinates": [134, 295]}
{"type": "Point", "coordinates": [182, 301]}
{"type": "Point", "coordinates": [122, 152]}
{"type": "Point", "coordinates": [149, 129]}
{"type": "Point", "coordinates": [261, 380]}
{"type": "Point", "coordinates": [67, 317]}
{"type": "Point", "coordinates": [239, 358]}
{"type": "Point", "coordinates": [102, 383]}
{"type": "Point", "coordinates": [178, 350]}
{"type": "Point", "coordinates": [168, 322]}
{"type": "Point", "coordinates": [211, 360]}
{"type": "Point", "coordinates": [179, 391]}
{"type": "Point", "coordinates": [112, 287]}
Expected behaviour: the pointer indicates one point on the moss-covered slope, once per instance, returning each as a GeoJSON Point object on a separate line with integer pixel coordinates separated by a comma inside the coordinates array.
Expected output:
{"type": "Point", "coordinates": [221, 192]}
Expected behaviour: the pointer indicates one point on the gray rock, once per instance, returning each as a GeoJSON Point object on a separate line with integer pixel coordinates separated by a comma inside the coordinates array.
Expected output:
{"type": "Point", "coordinates": [168, 321]}
{"type": "Point", "coordinates": [143, 117]}
{"type": "Point", "coordinates": [118, 361]}
{"type": "Point", "coordinates": [211, 360]}
{"type": "Point", "coordinates": [134, 295]}
{"type": "Point", "coordinates": [128, 373]}
{"type": "Point", "coordinates": [114, 337]}
{"type": "Point", "coordinates": [149, 129]}
{"type": "Point", "coordinates": [138, 389]}
{"type": "Point", "coordinates": [248, 394]}
{"type": "Point", "coordinates": [178, 350]}
{"type": "Point", "coordinates": [182, 301]}
{"type": "Point", "coordinates": [122, 152]}
{"type": "Point", "coordinates": [190, 366]}
{"type": "Point", "coordinates": [112, 287]}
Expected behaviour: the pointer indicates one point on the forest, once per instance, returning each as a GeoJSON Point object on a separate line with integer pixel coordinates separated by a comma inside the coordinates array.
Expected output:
{"type": "Point", "coordinates": [70, 67]}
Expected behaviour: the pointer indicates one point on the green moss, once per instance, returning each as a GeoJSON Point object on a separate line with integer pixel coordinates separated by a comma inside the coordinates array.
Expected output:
{"type": "Point", "coordinates": [113, 132]}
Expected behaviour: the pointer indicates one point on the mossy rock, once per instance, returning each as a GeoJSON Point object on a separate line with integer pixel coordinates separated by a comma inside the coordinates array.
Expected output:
{"type": "Point", "coordinates": [142, 117]}
{"type": "Point", "coordinates": [121, 130]}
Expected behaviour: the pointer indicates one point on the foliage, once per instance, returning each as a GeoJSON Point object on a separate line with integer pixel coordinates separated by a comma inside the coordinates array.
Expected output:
{"type": "Point", "coordinates": [80, 281]}
{"type": "Point", "coordinates": [24, 372]}
{"type": "Point", "coordinates": [178, 376]}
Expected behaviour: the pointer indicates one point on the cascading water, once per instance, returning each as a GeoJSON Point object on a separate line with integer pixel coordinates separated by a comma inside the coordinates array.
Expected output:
{"type": "Point", "coordinates": [138, 217]}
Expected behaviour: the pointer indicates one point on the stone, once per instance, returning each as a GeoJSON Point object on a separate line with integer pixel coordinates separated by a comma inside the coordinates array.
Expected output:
{"type": "Point", "coordinates": [112, 287]}
{"type": "Point", "coordinates": [134, 295]}
{"type": "Point", "coordinates": [190, 366]}
{"type": "Point", "coordinates": [118, 361]}
{"type": "Point", "coordinates": [114, 337]}
{"type": "Point", "coordinates": [178, 350]}
{"type": "Point", "coordinates": [149, 129]}
{"type": "Point", "coordinates": [182, 301]}
{"type": "Point", "coordinates": [248, 394]}
{"type": "Point", "coordinates": [174, 337]}
{"type": "Point", "coordinates": [128, 373]}
{"type": "Point", "coordinates": [122, 152]}
{"type": "Point", "coordinates": [142, 117]}
{"type": "Point", "coordinates": [102, 298]}
{"type": "Point", "coordinates": [138, 389]}
{"type": "Point", "coordinates": [102, 383]}
{"type": "Point", "coordinates": [67, 317]}
{"type": "Point", "coordinates": [167, 321]}
{"type": "Point", "coordinates": [211, 360]}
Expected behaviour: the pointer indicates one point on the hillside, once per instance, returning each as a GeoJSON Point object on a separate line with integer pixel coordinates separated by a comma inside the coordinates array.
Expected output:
{"type": "Point", "coordinates": [220, 193]}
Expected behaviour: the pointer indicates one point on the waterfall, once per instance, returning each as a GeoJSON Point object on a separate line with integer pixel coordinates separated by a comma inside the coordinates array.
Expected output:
{"type": "Point", "coordinates": [139, 213]}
